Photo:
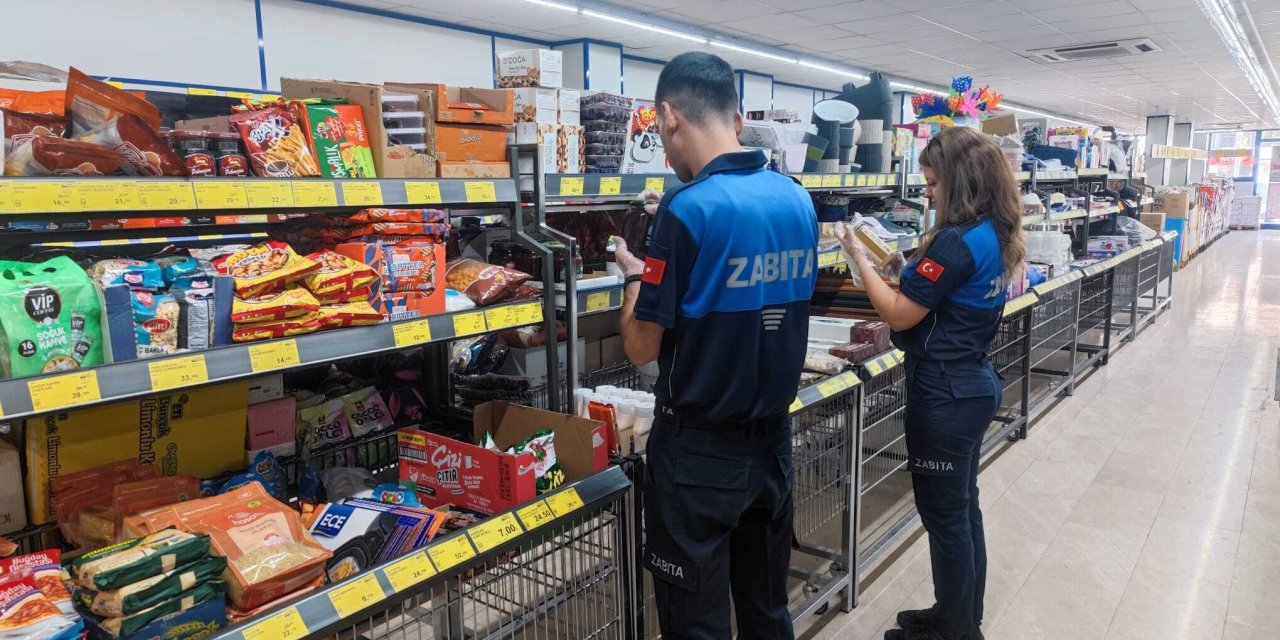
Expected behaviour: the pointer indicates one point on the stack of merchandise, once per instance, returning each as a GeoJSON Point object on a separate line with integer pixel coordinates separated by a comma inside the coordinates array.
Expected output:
{"type": "Point", "coordinates": [546, 114]}
{"type": "Point", "coordinates": [366, 531]}
{"type": "Point", "coordinates": [835, 343]}
{"type": "Point", "coordinates": [1049, 246]}
{"type": "Point", "coordinates": [1245, 211]}
{"type": "Point", "coordinates": [469, 136]}
{"type": "Point", "coordinates": [151, 586]}
{"type": "Point", "coordinates": [171, 298]}
{"type": "Point", "coordinates": [92, 504]}
{"type": "Point", "coordinates": [34, 599]}
{"type": "Point", "coordinates": [49, 318]}
{"type": "Point", "coordinates": [605, 118]}
{"type": "Point", "coordinates": [404, 249]}
{"type": "Point", "coordinates": [627, 414]}
{"type": "Point", "coordinates": [337, 134]}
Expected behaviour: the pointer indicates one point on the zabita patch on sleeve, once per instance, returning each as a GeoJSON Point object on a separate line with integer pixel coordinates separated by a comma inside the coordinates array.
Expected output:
{"type": "Point", "coordinates": [930, 270]}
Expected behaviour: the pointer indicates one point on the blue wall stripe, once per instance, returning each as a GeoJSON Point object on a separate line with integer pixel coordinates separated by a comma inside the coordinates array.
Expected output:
{"type": "Point", "coordinates": [176, 85]}
{"type": "Point", "coordinates": [262, 47]}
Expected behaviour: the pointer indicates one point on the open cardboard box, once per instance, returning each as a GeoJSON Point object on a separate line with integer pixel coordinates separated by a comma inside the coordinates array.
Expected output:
{"type": "Point", "coordinates": [445, 471]}
{"type": "Point", "coordinates": [391, 161]}
{"type": "Point", "coordinates": [472, 106]}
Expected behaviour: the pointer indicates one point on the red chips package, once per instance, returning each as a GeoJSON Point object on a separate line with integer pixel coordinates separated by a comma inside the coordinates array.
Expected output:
{"type": "Point", "coordinates": [291, 303]}
{"type": "Point", "coordinates": [20, 128]}
{"type": "Point", "coordinates": [277, 328]}
{"type": "Point", "coordinates": [343, 296]}
{"type": "Point", "coordinates": [338, 273]}
{"type": "Point", "coordinates": [264, 268]}
{"type": "Point", "coordinates": [275, 143]}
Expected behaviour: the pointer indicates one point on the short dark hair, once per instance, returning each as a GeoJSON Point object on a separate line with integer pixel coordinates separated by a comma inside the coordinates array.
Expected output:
{"type": "Point", "coordinates": [700, 85]}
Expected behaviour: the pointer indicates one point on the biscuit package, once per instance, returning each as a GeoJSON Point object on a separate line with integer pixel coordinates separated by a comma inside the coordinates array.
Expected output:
{"type": "Point", "coordinates": [265, 268]}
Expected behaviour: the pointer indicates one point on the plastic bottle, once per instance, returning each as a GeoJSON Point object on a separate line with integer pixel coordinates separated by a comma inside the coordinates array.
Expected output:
{"type": "Point", "coordinates": [643, 424]}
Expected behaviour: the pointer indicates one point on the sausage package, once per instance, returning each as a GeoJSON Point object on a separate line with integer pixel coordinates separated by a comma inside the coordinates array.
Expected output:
{"type": "Point", "coordinates": [264, 268]}
{"type": "Point", "coordinates": [49, 156]}
{"type": "Point", "coordinates": [291, 303]}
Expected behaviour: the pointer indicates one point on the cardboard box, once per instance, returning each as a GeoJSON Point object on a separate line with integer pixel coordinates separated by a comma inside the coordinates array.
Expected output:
{"type": "Point", "coordinates": [469, 143]}
{"type": "Point", "coordinates": [571, 149]}
{"type": "Point", "coordinates": [532, 362]}
{"type": "Point", "coordinates": [531, 68]}
{"type": "Point", "coordinates": [547, 137]}
{"type": "Point", "coordinates": [13, 509]}
{"type": "Point", "coordinates": [475, 170]}
{"type": "Point", "coordinates": [1001, 124]}
{"type": "Point", "coordinates": [535, 104]}
{"type": "Point", "coordinates": [121, 332]}
{"type": "Point", "coordinates": [196, 432]}
{"type": "Point", "coordinates": [266, 388]}
{"type": "Point", "coordinates": [390, 161]}
{"type": "Point", "coordinates": [1153, 221]}
{"type": "Point", "coordinates": [219, 124]}
{"type": "Point", "coordinates": [201, 621]}
{"type": "Point", "coordinates": [570, 109]}
{"type": "Point", "coordinates": [461, 105]}
{"type": "Point", "coordinates": [408, 305]}
{"type": "Point", "coordinates": [447, 472]}
{"type": "Point", "coordinates": [271, 426]}
{"type": "Point", "coordinates": [1175, 204]}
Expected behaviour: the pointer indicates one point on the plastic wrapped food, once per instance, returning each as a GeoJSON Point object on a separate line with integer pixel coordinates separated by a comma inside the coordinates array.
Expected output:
{"type": "Point", "coordinates": [49, 156]}
{"type": "Point", "coordinates": [399, 215]}
{"type": "Point", "coordinates": [300, 325]}
{"type": "Point", "coordinates": [137, 274]}
{"type": "Point", "coordinates": [131, 623]}
{"type": "Point", "coordinates": [45, 569]}
{"type": "Point", "coordinates": [337, 273]}
{"type": "Point", "coordinates": [146, 152]}
{"type": "Point", "coordinates": [606, 112]}
{"type": "Point", "coordinates": [352, 314]}
{"type": "Point", "coordinates": [49, 318]}
{"type": "Point", "coordinates": [483, 283]}
{"type": "Point", "coordinates": [366, 412]}
{"type": "Point", "coordinates": [323, 424]}
{"type": "Point", "coordinates": [93, 103]}
{"type": "Point", "coordinates": [265, 268]}
{"type": "Point", "coordinates": [196, 311]}
{"type": "Point", "coordinates": [133, 560]}
{"type": "Point", "coordinates": [820, 361]}
{"type": "Point", "coordinates": [21, 128]}
{"type": "Point", "coordinates": [606, 137]}
{"type": "Point", "coordinates": [854, 351]}
{"type": "Point", "coordinates": [276, 145]}
{"type": "Point", "coordinates": [152, 591]}
{"type": "Point", "coordinates": [344, 296]}
{"type": "Point", "coordinates": [606, 126]}
{"type": "Point", "coordinates": [457, 301]}
{"type": "Point", "coordinates": [291, 303]}
{"type": "Point", "coordinates": [401, 229]}
{"type": "Point", "coordinates": [155, 323]}
{"type": "Point", "coordinates": [611, 99]}
{"type": "Point", "coordinates": [26, 613]}
{"type": "Point", "coordinates": [604, 149]}
{"type": "Point", "coordinates": [264, 470]}
{"type": "Point", "coordinates": [604, 162]}
{"type": "Point", "coordinates": [546, 468]}
{"type": "Point", "coordinates": [873, 331]}
{"type": "Point", "coordinates": [131, 497]}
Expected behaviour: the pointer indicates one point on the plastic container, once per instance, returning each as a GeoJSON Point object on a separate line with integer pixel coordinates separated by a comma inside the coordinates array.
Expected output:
{"type": "Point", "coordinates": [404, 119]}
{"type": "Point", "coordinates": [606, 112]}
{"type": "Point", "coordinates": [604, 149]}
{"type": "Point", "coordinates": [606, 137]}
{"type": "Point", "coordinates": [407, 135]}
{"type": "Point", "coordinates": [642, 425]}
{"type": "Point", "coordinates": [606, 126]}
{"type": "Point", "coordinates": [393, 102]}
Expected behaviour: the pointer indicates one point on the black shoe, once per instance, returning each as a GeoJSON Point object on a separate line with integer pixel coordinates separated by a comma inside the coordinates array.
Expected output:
{"type": "Point", "coordinates": [926, 634]}
{"type": "Point", "coordinates": [916, 619]}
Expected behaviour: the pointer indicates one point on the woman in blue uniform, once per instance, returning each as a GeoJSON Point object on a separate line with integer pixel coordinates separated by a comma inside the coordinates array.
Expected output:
{"type": "Point", "coordinates": [944, 317]}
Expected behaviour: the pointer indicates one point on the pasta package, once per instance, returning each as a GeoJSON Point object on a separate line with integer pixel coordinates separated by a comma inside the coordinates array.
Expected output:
{"type": "Point", "coordinates": [483, 283]}
{"type": "Point", "coordinates": [300, 325]}
{"type": "Point", "coordinates": [291, 303]}
{"type": "Point", "coordinates": [264, 268]}
{"type": "Point", "coordinates": [27, 614]}
{"type": "Point", "coordinates": [155, 323]}
{"type": "Point", "coordinates": [152, 591]}
{"type": "Point", "coordinates": [127, 562]}
{"type": "Point", "coordinates": [45, 569]}
{"type": "Point", "coordinates": [131, 623]}
{"type": "Point", "coordinates": [337, 273]}
{"type": "Point", "coordinates": [276, 145]}
{"type": "Point", "coordinates": [352, 314]}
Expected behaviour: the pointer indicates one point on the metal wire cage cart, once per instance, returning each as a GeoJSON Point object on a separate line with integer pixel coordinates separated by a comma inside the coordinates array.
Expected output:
{"type": "Point", "coordinates": [884, 494]}
{"type": "Point", "coordinates": [1094, 316]}
{"type": "Point", "coordinates": [1011, 356]}
{"type": "Point", "coordinates": [1054, 331]}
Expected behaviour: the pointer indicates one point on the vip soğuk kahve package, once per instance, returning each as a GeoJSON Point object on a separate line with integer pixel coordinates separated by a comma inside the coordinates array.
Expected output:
{"type": "Point", "coordinates": [50, 318]}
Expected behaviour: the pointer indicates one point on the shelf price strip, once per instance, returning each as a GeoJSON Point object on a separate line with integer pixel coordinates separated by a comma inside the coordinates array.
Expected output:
{"type": "Point", "coordinates": [494, 532]}
{"type": "Point", "coordinates": [611, 186]}
{"type": "Point", "coordinates": [269, 356]}
{"type": "Point", "coordinates": [362, 193]}
{"type": "Point", "coordinates": [470, 323]}
{"type": "Point", "coordinates": [355, 596]}
{"type": "Point", "coordinates": [408, 334]}
{"type": "Point", "coordinates": [269, 193]}
{"type": "Point", "coordinates": [1019, 303]}
{"type": "Point", "coordinates": [317, 193]}
{"type": "Point", "coordinates": [283, 625]}
{"type": "Point", "coordinates": [513, 315]}
{"type": "Point", "coordinates": [404, 574]}
{"type": "Point", "coordinates": [658, 184]}
{"type": "Point", "coordinates": [452, 552]}
{"type": "Point", "coordinates": [572, 185]}
{"type": "Point", "coordinates": [417, 192]}
{"type": "Point", "coordinates": [480, 192]}
{"type": "Point", "coordinates": [830, 258]}
{"type": "Point", "coordinates": [565, 502]}
{"type": "Point", "coordinates": [64, 390]}
{"type": "Point", "coordinates": [535, 514]}
{"type": "Point", "coordinates": [218, 194]}
{"type": "Point", "coordinates": [597, 301]}
{"type": "Point", "coordinates": [175, 373]}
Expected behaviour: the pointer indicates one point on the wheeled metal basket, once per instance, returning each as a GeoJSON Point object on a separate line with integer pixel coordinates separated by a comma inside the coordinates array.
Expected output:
{"type": "Point", "coordinates": [1093, 336]}
{"type": "Point", "coordinates": [1054, 329]}
{"type": "Point", "coordinates": [1011, 356]}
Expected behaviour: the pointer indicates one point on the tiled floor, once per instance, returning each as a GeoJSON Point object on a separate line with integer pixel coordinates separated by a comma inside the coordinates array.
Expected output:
{"type": "Point", "coordinates": [1146, 506]}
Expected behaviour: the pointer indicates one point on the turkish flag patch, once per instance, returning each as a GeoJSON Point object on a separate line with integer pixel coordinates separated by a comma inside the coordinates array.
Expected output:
{"type": "Point", "coordinates": [653, 269]}
{"type": "Point", "coordinates": [930, 270]}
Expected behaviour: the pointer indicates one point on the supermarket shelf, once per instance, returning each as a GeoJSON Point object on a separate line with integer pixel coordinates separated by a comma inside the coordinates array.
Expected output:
{"type": "Point", "coordinates": [212, 237]}
{"type": "Point", "coordinates": [1049, 285]}
{"type": "Point", "coordinates": [1092, 173]}
{"type": "Point", "coordinates": [603, 187]}
{"type": "Point", "coordinates": [1055, 176]}
{"type": "Point", "coordinates": [881, 363]}
{"type": "Point", "coordinates": [23, 196]}
{"type": "Point", "coordinates": [1053, 216]}
{"type": "Point", "coordinates": [819, 391]}
{"type": "Point", "coordinates": [129, 379]}
{"type": "Point", "coordinates": [833, 256]}
{"type": "Point", "coordinates": [1021, 302]}
{"type": "Point", "coordinates": [439, 562]}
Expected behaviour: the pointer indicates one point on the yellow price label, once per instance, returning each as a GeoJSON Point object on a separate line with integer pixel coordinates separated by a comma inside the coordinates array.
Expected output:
{"type": "Point", "coordinates": [64, 390]}
{"type": "Point", "coordinates": [361, 194]}
{"type": "Point", "coordinates": [269, 356]}
{"type": "Point", "coordinates": [411, 333]}
{"type": "Point", "coordinates": [810, 181]}
{"type": "Point", "coordinates": [283, 625]}
{"type": "Point", "coordinates": [199, 91]}
{"type": "Point", "coordinates": [115, 242]}
{"type": "Point", "coordinates": [1019, 303]}
{"type": "Point", "coordinates": [882, 180]}
{"type": "Point", "coordinates": [528, 313]}
{"type": "Point", "coordinates": [831, 180]}
{"type": "Point", "coordinates": [572, 185]}
{"type": "Point", "coordinates": [598, 301]}
{"type": "Point", "coordinates": [116, 84]}
{"type": "Point", "coordinates": [829, 388]}
{"type": "Point", "coordinates": [404, 574]}
{"type": "Point", "coordinates": [178, 372]}
{"type": "Point", "coordinates": [481, 192]}
{"type": "Point", "coordinates": [535, 515]}
{"type": "Point", "coordinates": [829, 258]}
{"type": "Point", "coordinates": [658, 184]}
{"type": "Point", "coordinates": [465, 324]}
{"type": "Point", "coordinates": [891, 180]}
{"type": "Point", "coordinates": [355, 596]}
{"type": "Point", "coordinates": [875, 367]}
{"type": "Point", "coordinates": [423, 192]}
{"type": "Point", "coordinates": [452, 552]}
{"type": "Point", "coordinates": [44, 196]}
{"type": "Point", "coordinates": [269, 98]}
{"type": "Point", "coordinates": [565, 502]}
{"type": "Point", "coordinates": [318, 193]}
{"type": "Point", "coordinates": [796, 405]}
{"type": "Point", "coordinates": [610, 186]}
{"type": "Point", "coordinates": [501, 318]}
{"type": "Point", "coordinates": [240, 95]}
{"type": "Point", "coordinates": [220, 194]}
{"type": "Point", "coordinates": [106, 195]}
{"type": "Point", "coordinates": [862, 180]}
{"type": "Point", "coordinates": [269, 193]}
{"type": "Point", "coordinates": [165, 195]}
{"type": "Point", "coordinates": [850, 180]}
{"type": "Point", "coordinates": [6, 196]}
{"type": "Point", "coordinates": [494, 532]}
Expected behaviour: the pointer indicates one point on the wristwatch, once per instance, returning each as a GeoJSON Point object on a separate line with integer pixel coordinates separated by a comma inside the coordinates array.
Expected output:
{"type": "Point", "coordinates": [635, 277]}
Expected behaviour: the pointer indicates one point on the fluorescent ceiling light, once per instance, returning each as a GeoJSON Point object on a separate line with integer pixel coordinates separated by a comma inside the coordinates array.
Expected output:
{"type": "Point", "coordinates": [643, 25]}
{"type": "Point", "coordinates": [829, 69]}
{"type": "Point", "coordinates": [754, 52]}
{"type": "Point", "coordinates": [554, 5]}
{"type": "Point", "coordinates": [1222, 17]}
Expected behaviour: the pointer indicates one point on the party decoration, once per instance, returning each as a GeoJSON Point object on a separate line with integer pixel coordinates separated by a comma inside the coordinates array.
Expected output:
{"type": "Point", "coordinates": [964, 102]}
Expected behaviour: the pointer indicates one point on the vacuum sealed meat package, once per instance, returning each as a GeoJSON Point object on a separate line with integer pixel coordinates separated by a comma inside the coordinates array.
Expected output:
{"type": "Point", "coordinates": [483, 283]}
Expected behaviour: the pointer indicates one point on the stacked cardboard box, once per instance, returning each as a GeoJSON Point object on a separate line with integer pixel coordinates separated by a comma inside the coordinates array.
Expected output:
{"type": "Point", "coordinates": [546, 114]}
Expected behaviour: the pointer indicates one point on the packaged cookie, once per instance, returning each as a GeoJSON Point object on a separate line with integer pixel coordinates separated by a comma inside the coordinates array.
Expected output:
{"type": "Point", "coordinates": [264, 268]}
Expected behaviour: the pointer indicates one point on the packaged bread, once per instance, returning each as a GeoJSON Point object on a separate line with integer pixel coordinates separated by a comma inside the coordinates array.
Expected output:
{"type": "Point", "coordinates": [290, 303]}
{"type": "Point", "coordinates": [120, 564]}
{"type": "Point", "coordinates": [264, 268]}
{"type": "Point", "coordinates": [152, 591]}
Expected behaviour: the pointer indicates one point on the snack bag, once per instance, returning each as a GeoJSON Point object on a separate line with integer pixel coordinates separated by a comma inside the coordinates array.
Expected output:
{"type": "Point", "coordinates": [368, 216]}
{"type": "Point", "coordinates": [338, 272]}
{"type": "Point", "coordinates": [291, 303]}
{"type": "Point", "coordinates": [366, 412]}
{"type": "Point", "coordinates": [45, 569]}
{"type": "Point", "coordinates": [352, 314]}
{"type": "Point", "coordinates": [155, 318]}
{"type": "Point", "coordinates": [137, 274]}
{"type": "Point", "coordinates": [147, 153]}
{"type": "Point", "coordinates": [276, 145]}
{"type": "Point", "coordinates": [325, 134]}
{"type": "Point", "coordinates": [357, 154]}
{"type": "Point", "coordinates": [323, 424]}
{"type": "Point", "coordinates": [483, 283]}
{"type": "Point", "coordinates": [546, 468]}
{"type": "Point", "coordinates": [344, 296]}
{"type": "Point", "coordinates": [266, 471]}
{"type": "Point", "coordinates": [21, 128]}
{"type": "Point", "coordinates": [264, 268]}
{"type": "Point", "coordinates": [27, 614]}
{"type": "Point", "coordinates": [93, 103]}
{"type": "Point", "coordinates": [49, 318]}
{"type": "Point", "coordinates": [50, 102]}
{"type": "Point", "coordinates": [300, 325]}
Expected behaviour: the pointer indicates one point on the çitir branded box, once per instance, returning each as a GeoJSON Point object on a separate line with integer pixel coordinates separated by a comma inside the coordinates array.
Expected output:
{"type": "Point", "coordinates": [198, 432]}
{"type": "Point", "coordinates": [470, 143]}
{"type": "Point", "coordinates": [447, 472]}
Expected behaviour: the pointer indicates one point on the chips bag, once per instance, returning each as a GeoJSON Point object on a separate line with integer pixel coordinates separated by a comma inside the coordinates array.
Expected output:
{"type": "Point", "coordinates": [338, 272]}
{"type": "Point", "coordinates": [291, 303]}
{"type": "Point", "coordinates": [276, 145]}
{"type": "Point", "coordinates": [26, 613]}
{"type": "Point", "coordinates": [264, 268]}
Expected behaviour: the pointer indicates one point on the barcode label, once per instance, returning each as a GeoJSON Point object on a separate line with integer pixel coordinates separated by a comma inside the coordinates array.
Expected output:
{"type": "Point", "coordinates": [412, 453]}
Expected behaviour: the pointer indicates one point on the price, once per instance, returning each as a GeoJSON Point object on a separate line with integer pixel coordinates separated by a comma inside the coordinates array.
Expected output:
{"type": "Point", "coordinates": [408, 572]}
{"type": "Point", "coordinates": [64, 390]}
{"type": "Point", "coordinates": [285, 625]}
{"type": "Point", "coordinates": [810, 181]}
{"type": "Point", "coordinates": [411, 333]}
{"type": "Point", "coordinates": [875, 367]}
{"type": "Point", "coordinates": [495, 531]}
{"type": "Point", "coordinates": [465, 324]}
{"type": "Point", "coordinates": [610, 186]}
{"type": "Point", "coordinates": [165, 195]}
{"type": "Point", "coordinates": [423, 192]}
{"type": "Point", "coordinates": [831, 180]}
{"type": "Point", "coordinates": [565, 502]}
{"type": "Point", "coordinates": [197, 91]}
{"type": "Point", "coordinates": [850, 180]}
{"type": "Point", "coordinates": [572, 185]}
{"type": "Point", "coordinates": [317, 193]}
{"type": "Point", "coordinates": [452, 552]}
{"type": "Point", "coordinates": [796, 405]}
{"type": "Point", "coordinates": [269, 193]}
{"type": "Point", "coordinates": [357, 595]}
{"type": "Point", "coordinates": [658, 184]}
{"type": "Point", "coordinates": [481, 192]}
{"type": "Point", "coordinates": [899, 357]}
{"type": "Point", "coordinates": [891, 180]}
{"type": "Point", "coordinates": [513, 316]}
{"type": "Point", "coordinates": [828, 259]}
{"type": "Point", "coordinates": [107, 195]}
{"type": "Point", "coordinates": [535, 515]}
{"type": "Point", "coordinates": [178, 372]}
{"type": "Point", "coordinates": [862, 180]}
{"type": "Point", "coordinates": [32, 197]}
{"type": "Point", "coordinates": [598, 301]}
{"type": "Point", "coordinates": [361, 194]}
{"type": "Point", "coordinates": [113, 242]}
{"type": "Point", "coordinates": [240, 95]}
{"type": "Point", "coordinates": [220, 194]}
{"type": "Point", "coordinates": [6, 197]}
{"type": "Point", "coordinates": [269, 356]}
{"type": "Point", "coordinates": [528, 313]}
{"type": "Point", "coordinates": [832, 387]}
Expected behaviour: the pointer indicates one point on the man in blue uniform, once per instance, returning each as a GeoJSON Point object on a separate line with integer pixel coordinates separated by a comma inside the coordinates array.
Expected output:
{"type": "Point", "coordinates": [722, 302]}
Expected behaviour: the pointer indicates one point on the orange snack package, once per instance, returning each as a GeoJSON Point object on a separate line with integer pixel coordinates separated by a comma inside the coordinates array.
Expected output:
{"type": "Point", "coordinates": [264, 268]}
{"type": "Point", "coordinates": [354, 314]}
{"type": "Point", "coordinates": [291, 303]}
{"type": "Point", "coordinates": [300, 325]}
{"type": "Point", "coordinates": [93, 103]}
{"type": "Point", "coordinates": [337, 273]}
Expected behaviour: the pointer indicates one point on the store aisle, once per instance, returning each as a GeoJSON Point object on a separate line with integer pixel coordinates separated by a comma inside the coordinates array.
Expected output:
{"type": "Point", "coordinates": [1144, 507]}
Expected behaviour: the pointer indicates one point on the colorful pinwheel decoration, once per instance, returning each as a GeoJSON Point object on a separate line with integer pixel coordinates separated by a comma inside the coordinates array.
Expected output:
{"type": "Point", "coordinates": [963, 101]}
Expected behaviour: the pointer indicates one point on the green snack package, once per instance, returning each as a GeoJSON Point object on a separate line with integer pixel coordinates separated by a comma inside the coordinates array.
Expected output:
{"type": "Point", "coordinates": [152, 591]}
{"type": "Point", "coordinates": [125, 563]}
{"type": "Point", "coordinates": [50, 318]}
{"type": "Point", "coordinates": [126, 625]}
{"type": "Point", "coordinates": [546, 468]}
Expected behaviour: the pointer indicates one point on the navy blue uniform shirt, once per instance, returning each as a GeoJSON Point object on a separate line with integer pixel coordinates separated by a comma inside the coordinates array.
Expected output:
{"type": "Point", "coordinates": [730, 272]}
{"type": "Point", "coordinates": [960, 279]}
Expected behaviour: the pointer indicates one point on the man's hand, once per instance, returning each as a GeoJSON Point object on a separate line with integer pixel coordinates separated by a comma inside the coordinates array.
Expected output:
{"type": "Point", "coordinates": [627, 261]}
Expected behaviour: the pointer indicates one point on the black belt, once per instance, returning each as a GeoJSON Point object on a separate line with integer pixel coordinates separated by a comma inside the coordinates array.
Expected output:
{"type": "Point", "coordinates": [691, 421]}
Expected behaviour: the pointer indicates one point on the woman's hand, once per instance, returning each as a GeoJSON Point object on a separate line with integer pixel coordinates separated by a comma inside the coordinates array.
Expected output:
{"type": "Point", "coordinates": [852, 246]}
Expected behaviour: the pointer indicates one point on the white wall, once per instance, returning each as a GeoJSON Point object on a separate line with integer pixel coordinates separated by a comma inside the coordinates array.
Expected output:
{"type": "Point", "coordinates": [573, 69]}
{"type": "Point", "coordinates": [606, 68]}
{"type": "Point", "coordinates": [640, 79]}
{"type": "Point", "coordinates": [757, 92]}
{"type": "Point", "coordinates": [798, 100]}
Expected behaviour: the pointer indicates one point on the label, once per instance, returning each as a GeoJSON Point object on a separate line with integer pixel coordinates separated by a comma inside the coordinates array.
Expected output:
{"type": "Point", "coordinates": [451, 553]}
{"type": "Point", "coordinates": [165, 195]}
{"type": "Point", "coordinates": [610, 186]}
{"type": "Point", "coordinates": [269, 193]}
{"type": "Point", "coordinates": [481, 192]}
{"type": "Point", "coordinates": [116, 84]}
{"type": "Point", "coordinates": [501, 318]}
{"type": "Point", "coordinates": [404, 574]}
{"type": "Point", "coordinates": [565, 502]}
{"type": "Point", "coordinates": [42, 196]}
{"type": "Point", "coordinates": [318, 193]}
{"type": "Point", "coordinates": [361, 194]}
{"type": "Point", "coordinates": [103, 195]}
{"type": "Point", "coordinates": [284, 625]}
{"type": "Point", "coordinates": [423, 192]}
{"type": "Point", "coordinates": [197, 91]}
{"type": "Point", "coordinates": [465, 324]}
{"type": "Point", "coordinates": [832, 387]}
{"type": "Point", "coordinates": [875, 367]}
{"type": "Point", "coordinates": [535, 515]}
{"type": "Point", "coordinates": [178, 372]}
{"type": "Point", "coordinates": [64, 390]}
{"type": "Point", "coordinates": [240, 95]}
{"type": "Point", "coordinates": [112, 242]}
{"type": "Point", "coordinates": [796, 405]}
{"type": "Point", "coordinates": [831, 180]}
{"type": "Point", "coordinates": [1019, 303]}
{"type": "Point", "coordinates": [270, 356]}
{"type": "Point", "coordinates": [862, 180]}
{"type": "Point", "coordinates": [572, 185]}
{"type": "Point", "coordinates": [6, 196]}
{"type": "Point", "coordinates": [850, 180]}
{"type": "Point", "coordinates": [598, 301]}
{"type": "Point", "coordinates": [220, 194]}
{"type": "Point", "coordinates": [355, 596]}
{"type": "Point", "coordinates": [412, 333]}
{"type": "Point", "coordinates": [810, 181]}
{"type": "Point", "coordinates": [829, 258]}
{"type": "Point", "coordinates": [658, 184]}
{"type": "Point", "coordinates": [493, 532]}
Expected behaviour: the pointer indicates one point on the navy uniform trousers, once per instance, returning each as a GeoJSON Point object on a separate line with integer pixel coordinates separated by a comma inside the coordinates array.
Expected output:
{"type": "Point", "coordinates": [718, 520]}
{"type": "Point", "coordinates": [948, 409]}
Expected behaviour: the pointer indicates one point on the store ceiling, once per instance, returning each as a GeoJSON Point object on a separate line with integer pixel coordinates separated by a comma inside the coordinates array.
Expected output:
{"type": "Point", "coordinates": [929, 41]}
